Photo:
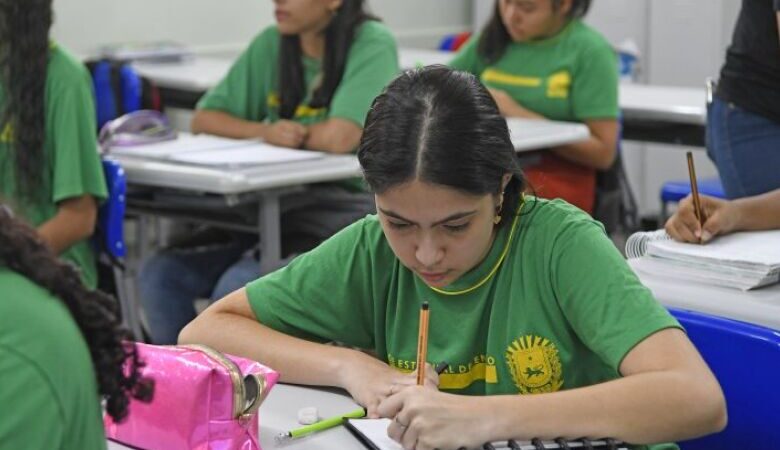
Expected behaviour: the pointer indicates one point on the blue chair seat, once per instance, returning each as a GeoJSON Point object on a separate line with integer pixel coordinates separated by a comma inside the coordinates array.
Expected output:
{"type": "Point", "coordinates": [674, 191]}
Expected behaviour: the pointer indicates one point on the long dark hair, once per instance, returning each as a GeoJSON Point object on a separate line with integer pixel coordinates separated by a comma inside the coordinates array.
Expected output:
{"type": "Point", "coordinates": [442, 127]}
{"type": "Point", "coordinates": [95, 313]}
{"type": "Point", "coordinates": [24, 54]}
{"type": "Point", "coordinates": [338, 39]}
{"type": "Point", "coordinates": [494, 37]}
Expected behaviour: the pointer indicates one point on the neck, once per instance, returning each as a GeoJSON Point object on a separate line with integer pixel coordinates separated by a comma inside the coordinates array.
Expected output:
{"type": "Point", "coordinates": [313, 44]}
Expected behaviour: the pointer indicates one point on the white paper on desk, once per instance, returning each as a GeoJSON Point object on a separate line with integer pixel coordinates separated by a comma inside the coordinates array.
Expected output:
{"type": "Point", "coordinates": [184, 143]}
{"type": "Point", "coordinates": [749, 249]}
{"type": "Point", "coordinates": [256, 154]}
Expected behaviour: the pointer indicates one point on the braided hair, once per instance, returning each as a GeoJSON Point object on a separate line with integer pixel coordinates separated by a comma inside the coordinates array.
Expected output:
{"type": "Point", "coordinates": [113, 355]}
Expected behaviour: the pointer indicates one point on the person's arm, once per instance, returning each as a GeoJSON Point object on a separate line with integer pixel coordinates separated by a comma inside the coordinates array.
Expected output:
{"type": "Point", "coordinates": [760, 212]}
{"type": "Point", "coordinates": [667, 393]}
{"type": "Point", "coordinates": [284, 133]}
{"type": "Point", "coordinates": [597, 152]}
{"type": "Point", "coordinates": [74, 221]}
{"type": "Point", "coordinates": [334, 135]}
{"type": "Point", "coordinates": [230, 325]}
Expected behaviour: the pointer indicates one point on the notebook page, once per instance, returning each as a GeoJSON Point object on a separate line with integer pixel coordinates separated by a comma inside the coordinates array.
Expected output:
{"type": "Point", "coordinates": [375, 431]}
{"type": "Point", "coordinates": [255, 154]}
{"type": "Point", "coordinates": [747, 248]}
{"type": "Point", "coordinates": [184, 143]}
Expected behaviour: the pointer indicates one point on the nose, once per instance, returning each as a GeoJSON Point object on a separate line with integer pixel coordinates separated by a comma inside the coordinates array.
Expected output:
{"type": "Point", "coordinates": [428, 252]}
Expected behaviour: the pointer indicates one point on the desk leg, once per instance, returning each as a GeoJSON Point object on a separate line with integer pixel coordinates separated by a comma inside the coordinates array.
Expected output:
{"type": "Point", "coordinates": [270, 233]}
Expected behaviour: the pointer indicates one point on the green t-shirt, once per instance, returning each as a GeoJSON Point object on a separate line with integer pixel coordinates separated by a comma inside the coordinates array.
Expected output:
{"type": "Point", "coordinates": [250, 89]}
{"type": "Point", "coordinates": [561, 312]}
{"type": "Point", "coordinates": [70, 149]}
{"type": "Point", "coordinates": [48, 393]}
{"type": "Point", "coordinates": [571, 76]}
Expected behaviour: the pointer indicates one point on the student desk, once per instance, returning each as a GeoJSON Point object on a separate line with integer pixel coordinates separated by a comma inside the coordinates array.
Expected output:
{"type": "Point", "coordinates": [207, 194]}
{"type": "Point", "coordinates": [760, 306]}
{"type": "Point", "coordinates": [279, 413]}
{"type": "Point", "coordinates": [663, 114]}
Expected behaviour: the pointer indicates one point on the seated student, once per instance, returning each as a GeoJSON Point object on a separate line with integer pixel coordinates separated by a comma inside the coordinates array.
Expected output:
{"type": "Point", "coordinates": [50, 171]}
{"type": "Point", "coordinates": [540, 61]}
{"type": "Point", "coordinates": [527, 296]}
{"type": "Point", "coordinates": [306, 82]}
{"type": "Point", "coordinates": [61, 350]}
{"type": "Point", "coordinates": [761, 212]}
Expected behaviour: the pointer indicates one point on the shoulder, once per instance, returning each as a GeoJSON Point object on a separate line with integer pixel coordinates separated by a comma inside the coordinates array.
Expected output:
{"type": "Point", "coordinates": [587, 39]}
{"type": "Point", "coordinates": [374, 32]}
{"type": "Point", "coordinates": [65, 70]}
{"type": "Point", "coordinates": [265, 41]}
{"type": "Point", "coordinates": [549, 220]}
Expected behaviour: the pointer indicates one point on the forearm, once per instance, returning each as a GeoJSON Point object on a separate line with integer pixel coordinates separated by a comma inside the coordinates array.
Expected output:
{"type": "Point", "coordinates": [69, 225]}
{"type": "Point", "coordinates": [761, 212]}
{"type": "Point", "coordinates": [298, 361]}
{"type": "Point", "coordinates": [592, 153]}
{"type": "Point", "coordinates": [223, 124]}
{"type": "Point", "coordinates": [332, 137]}
{"type": "Point", "coordinates": [643, 408]}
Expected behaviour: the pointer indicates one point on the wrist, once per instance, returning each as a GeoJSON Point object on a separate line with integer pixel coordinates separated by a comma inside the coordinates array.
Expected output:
{"type": "Point", "coordinates": [346, 363]}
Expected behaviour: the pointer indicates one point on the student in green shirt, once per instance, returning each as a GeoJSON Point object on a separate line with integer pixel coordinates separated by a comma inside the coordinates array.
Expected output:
{"type": "Point", "coordinates": [527, 296]}
{"type": "Point", "coordinates": [62, 349]}
{"type": "Point", "coordinates": [306, 82]}
{"type": "Point", "coordinates": [540, 61]}
{"type": "Point", "coordinates": [50, 171]}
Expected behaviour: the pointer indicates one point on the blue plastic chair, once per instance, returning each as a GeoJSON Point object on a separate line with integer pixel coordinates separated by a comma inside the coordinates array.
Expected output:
{"type": "Point", "coordinates": [746, 360]}
{"type": "Point", "coordinates": [674, 191]}
{"type": "Point", "coordinates": [111, 243]}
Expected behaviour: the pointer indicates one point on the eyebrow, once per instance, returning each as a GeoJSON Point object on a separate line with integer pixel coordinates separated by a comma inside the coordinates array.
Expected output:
{"type": "Point", "coordinates": [449, 218]}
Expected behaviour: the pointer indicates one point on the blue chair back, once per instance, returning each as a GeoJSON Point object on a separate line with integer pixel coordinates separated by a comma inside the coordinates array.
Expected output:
{"type": "Point", "coordinates": [112, 213]}
{"type": "Point", "coordinates": [746, 360]}
{"type": "Point", "coordinates": [674, 191]}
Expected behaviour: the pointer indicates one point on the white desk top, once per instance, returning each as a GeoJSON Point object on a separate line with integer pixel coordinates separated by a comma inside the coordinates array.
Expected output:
{"type": "Point", "coordinates": [218, 180]}
{"type": "Point", "coordinates": [197, 74]}
{"type": "Point", "coordinates": [663, 103]}
{"type": "Point", "coordinates": [529, 134]}
{"type": "Point", "coordinates": [279, 413]}
{"type": "Point", "coordinates": [638, 102]}
{"type": "Point", "coordinates": [760, 306]}
{"type": "Point", "coordinates": [410, 58]}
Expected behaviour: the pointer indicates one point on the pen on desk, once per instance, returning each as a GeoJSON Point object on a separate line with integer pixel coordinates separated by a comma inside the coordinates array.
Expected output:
{"type": "Point", "coordinates": [422, 343]}
{"type": "Point", "coordinates": [320, 426]}
{"type": "Point", "coordinates": [695, 190]}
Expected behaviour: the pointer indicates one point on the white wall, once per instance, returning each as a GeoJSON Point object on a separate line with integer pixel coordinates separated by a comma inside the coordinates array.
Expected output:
{"type": "Point", "coordinates": [227, 26]}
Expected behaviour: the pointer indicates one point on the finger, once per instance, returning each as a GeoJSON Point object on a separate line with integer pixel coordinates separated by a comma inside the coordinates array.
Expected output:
{"type": "Point", "coordinates": [396, 429]}
{"type": "Point", "coordinates": [713, 226]}
{"type": "Point", "coordinates": [410, 436]}
{"type": "Point", "coordinates": [680, 232]}
{"type": "Point", "coordinates": [390, 406]}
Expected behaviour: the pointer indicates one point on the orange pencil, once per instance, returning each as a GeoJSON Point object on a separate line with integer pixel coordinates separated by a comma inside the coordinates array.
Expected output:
{"type": "Point", "coordinates": [695, 190]}
{"type": "Point", "coordinates": [422, 344]}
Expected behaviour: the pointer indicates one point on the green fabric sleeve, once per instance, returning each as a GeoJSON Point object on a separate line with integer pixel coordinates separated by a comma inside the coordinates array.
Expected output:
{"type": "Point", "coordinates": [71, 126]}
{"type": "Point", "coordinates": [243, 91]}
{"type": "Point", "coordinates": [467, 59]}
{"type": "Point", "coordinates": [323, 295]}
{"type": "Point", "coordinates": [595, 88]}
{"type": "Point", "coordinates": [601, 297]}
{"type": "Point", "coordinates": [372, 63]}
{"type": "Point", "coordinates": [31, 416]}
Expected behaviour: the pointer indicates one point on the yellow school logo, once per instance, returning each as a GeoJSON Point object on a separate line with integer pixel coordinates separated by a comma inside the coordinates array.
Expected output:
{"type": "Point", "coordinates": [534, 364]}
{"type": "Point", "coordinates": [558, 85]}
{"type": "Point", "coordinates": [7, 134]}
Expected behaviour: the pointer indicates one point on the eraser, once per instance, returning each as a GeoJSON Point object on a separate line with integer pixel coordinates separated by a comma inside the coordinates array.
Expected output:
{"type": "Point", "coordinates": [308, 415]}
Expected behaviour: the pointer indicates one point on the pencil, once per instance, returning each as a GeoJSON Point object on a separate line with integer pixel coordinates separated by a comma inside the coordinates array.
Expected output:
{"type": "Point", "coordinates": [422, 344]}
{"type": "Point", "coordinates": [324, 424]}
{"type": "Point", "coordinates": [695, 190]}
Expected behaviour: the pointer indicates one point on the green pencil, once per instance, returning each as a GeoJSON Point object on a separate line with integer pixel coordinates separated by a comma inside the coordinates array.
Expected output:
{"type": "Point", "coordinates": [319, 426]}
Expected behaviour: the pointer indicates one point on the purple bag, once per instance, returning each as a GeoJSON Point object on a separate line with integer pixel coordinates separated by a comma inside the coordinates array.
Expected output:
{"type": "Point", "coordinates": [203, 400]}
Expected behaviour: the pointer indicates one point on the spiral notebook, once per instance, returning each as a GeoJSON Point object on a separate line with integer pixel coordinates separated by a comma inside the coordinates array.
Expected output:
{"type": "Point", "coordinates": [745, 260]}
{"type": "Point", "coordinates": [373, 434]}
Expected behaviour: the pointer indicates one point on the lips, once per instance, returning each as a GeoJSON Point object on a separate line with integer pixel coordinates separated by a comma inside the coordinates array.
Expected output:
{"type": "Point", "coordinates": [281, 15]}
{"type": "Point", "coordinates": [432, 277]}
